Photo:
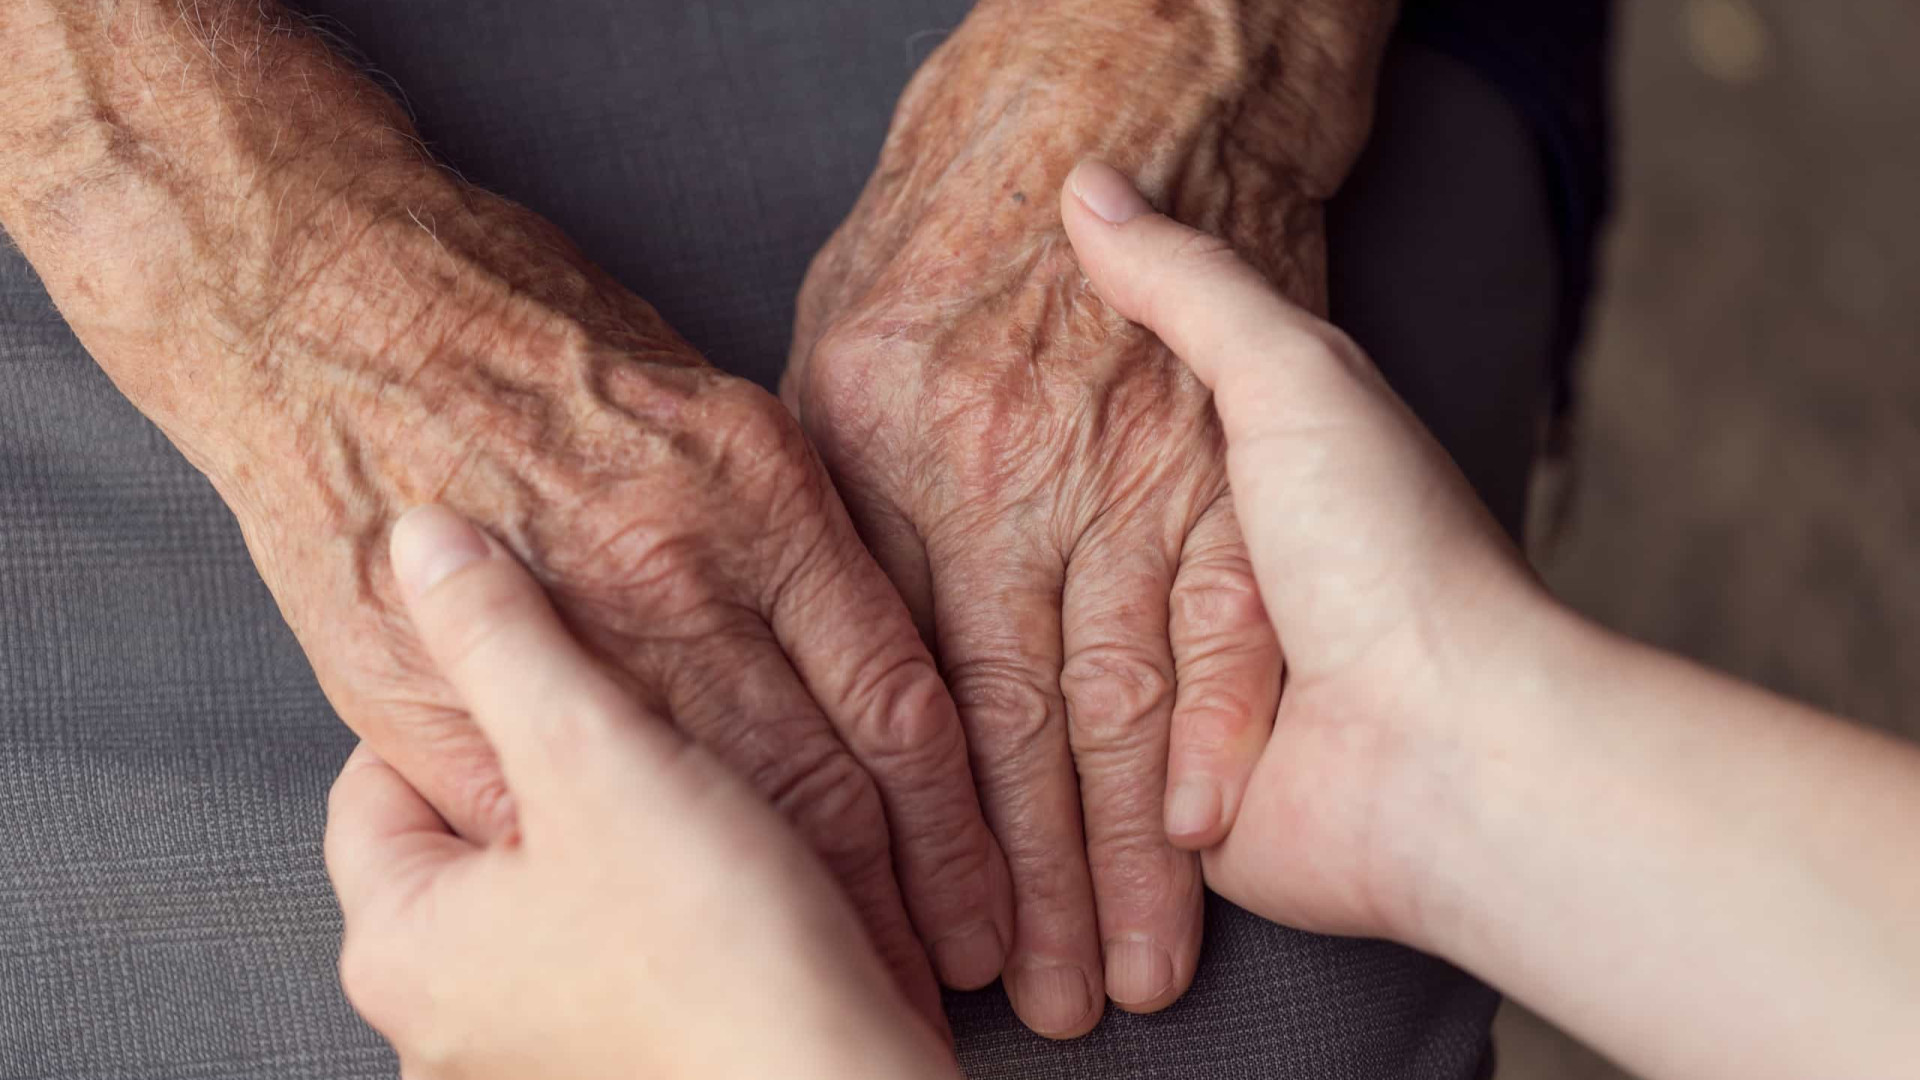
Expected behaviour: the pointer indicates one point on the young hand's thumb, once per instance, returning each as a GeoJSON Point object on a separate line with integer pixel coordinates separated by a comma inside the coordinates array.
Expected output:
{"type": "Point", "coordinates": [1211, 308]}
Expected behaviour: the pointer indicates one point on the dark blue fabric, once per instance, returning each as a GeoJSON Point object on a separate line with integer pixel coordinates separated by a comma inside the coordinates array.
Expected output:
{"type": "Point", "coordinates": [1550, 58]}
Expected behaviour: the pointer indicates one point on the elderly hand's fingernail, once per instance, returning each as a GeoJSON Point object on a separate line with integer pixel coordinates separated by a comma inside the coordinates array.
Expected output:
{"type": "Point", "coordinates": [1193, 809]}
{"type": "Point", "coordinates": [430, 543]}
{"type": "Point", "coordinates": [1054, 999]}
{"type": "Point", "coordinates": [1102, 189]}
{"type": "Point", "coordinates": [971, 958]}
{"type": "Point", "coordinates": [1139, 971]}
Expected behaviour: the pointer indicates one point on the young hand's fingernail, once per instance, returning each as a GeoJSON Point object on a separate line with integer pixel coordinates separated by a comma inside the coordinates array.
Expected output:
{"type": "Point", "coordinates": [1102, 189]}
{"type": "Point", "coordinates": [429, 544]}
{"type": "Point", "coordinates": [1193, 809]}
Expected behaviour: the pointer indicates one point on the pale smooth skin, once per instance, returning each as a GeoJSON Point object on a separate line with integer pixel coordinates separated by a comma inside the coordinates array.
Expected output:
{"type": "Point", "coordinates": [1700, 878]}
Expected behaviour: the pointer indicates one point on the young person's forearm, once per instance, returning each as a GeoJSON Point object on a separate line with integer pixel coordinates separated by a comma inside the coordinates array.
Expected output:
{"type": "Point", "coordinates": [1701, 879]}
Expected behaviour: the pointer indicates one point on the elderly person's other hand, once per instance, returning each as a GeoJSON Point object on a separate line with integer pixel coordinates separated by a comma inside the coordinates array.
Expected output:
{"type": "Point", "coordinates": [1044, 482]}
{"type": "Point", "coordinates": [246, 236]}
{"type": "Point", "coordinates": [647, 916]}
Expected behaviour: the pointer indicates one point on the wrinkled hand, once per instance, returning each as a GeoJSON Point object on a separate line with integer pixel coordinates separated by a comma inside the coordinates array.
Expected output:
{"type": "Point", "coordinates": [245, 234]}
{"type": "Point", "coordinates": [1393, 590]}
{"type": "Point", "coordinates": [687, 533]}
{"type": "Point", "coordinates": [648, 916]}
{"type": "Point", "coordinates": [1046, 484]}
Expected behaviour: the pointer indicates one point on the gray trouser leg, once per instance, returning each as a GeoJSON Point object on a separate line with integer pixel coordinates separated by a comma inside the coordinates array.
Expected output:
{"type": "Point", "coordinates": [164, 753]}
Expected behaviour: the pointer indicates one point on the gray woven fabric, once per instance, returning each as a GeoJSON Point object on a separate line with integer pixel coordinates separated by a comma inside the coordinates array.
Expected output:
{"type": "Point", "coordinates": [164, 752]}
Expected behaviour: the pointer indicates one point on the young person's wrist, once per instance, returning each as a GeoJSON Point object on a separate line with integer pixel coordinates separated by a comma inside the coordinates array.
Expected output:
{"type": "Point", "coordinates": [1505, 731]}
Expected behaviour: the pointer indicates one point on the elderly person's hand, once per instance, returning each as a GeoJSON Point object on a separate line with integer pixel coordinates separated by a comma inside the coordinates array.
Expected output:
{"type": "Point", "coordinates": [1044, 482]}
{"type": "Point", "coordinates": [646, 916]}
{"type": "Point", "coordinates": [248, 239]}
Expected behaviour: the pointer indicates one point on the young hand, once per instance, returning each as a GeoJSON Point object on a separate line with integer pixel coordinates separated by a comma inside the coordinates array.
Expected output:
{"type": "Point", "coordinates": [648, 916]}
{"type": "Point", "coordinates": [1701, 879]}
{"type": "Point", "coordinates": [1387, 581]}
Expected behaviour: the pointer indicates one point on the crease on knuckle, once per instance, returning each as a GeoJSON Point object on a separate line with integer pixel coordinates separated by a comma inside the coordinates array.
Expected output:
{"type": "Point", "coordinates": [1008, 708]}
{"type": "Point", "coordinates": [751, 436]}
{"type": "Point", "coordinates": [906, 718]}
{"type": "Point", "coordinates": [1215, 595]}
{"type": "Point", "coordinates": [1114, 694]}
{"type": "Point", "coordinates": [1211, 720]}
{"type": "Point", "coordinates": [840, 372]}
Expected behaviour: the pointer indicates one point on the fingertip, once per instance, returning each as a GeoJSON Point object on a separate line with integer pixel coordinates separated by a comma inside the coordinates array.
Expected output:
{"type": "Point", "coordinates": [1106, 192]}
{"type": "Point", "coordinates": [1056, 1000]}
{"type": "Point", "coordinates": [970, 958]}
{"type": "Point", "coordinates": [1095, 202]}
{"type": "Point", "coordinates": [1195, 812]}
{"type": "Point", "coordinates": [430, 544]}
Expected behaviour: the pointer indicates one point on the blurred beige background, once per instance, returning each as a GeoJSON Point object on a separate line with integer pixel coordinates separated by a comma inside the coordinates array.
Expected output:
{"type": "Point", "coordinates": [1746, 486]}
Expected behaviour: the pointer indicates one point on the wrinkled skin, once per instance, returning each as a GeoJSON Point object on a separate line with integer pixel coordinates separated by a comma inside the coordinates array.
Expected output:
{"type": "Point", "coordinates": [1042, 480]}
{"type": "Point", "coordinates": [687, 532]}
{"type": "Point", "coordinates": [245, 235]}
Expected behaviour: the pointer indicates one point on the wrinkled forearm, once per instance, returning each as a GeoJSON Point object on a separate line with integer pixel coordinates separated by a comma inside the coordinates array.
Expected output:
{"type": "Point", "coordinates": [1241, 117]}
{"type": "Point", "coordinates": [161, 157]}
{"type": "Point", "coordinates": [238, 225]}
{"type": "Point", "coordinates": [1297, 76]}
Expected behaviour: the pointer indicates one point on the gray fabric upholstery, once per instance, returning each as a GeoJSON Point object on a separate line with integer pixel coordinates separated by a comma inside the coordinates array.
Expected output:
{"type": "Point", "coordinates": [164, 753]}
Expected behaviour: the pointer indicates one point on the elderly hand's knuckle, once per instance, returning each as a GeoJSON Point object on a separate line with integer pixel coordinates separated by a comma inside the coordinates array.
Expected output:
{"type": "Point", "coordinates": [1211, 721]}
{"type": "Point", "coordinates": [1114, 692]}
{"type": "Point", "coordinates": [1217, 595]}
{"type": "Point", "coordinates": [751, 434]}
{"type": "Point", "coordinates": [909, 719]}
{"type": "Point", "coordinates": [1006, 703]}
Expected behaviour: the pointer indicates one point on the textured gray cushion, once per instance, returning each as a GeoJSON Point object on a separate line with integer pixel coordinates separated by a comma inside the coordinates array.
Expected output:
{"type": "Point", "coordinates": [164, 752]}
